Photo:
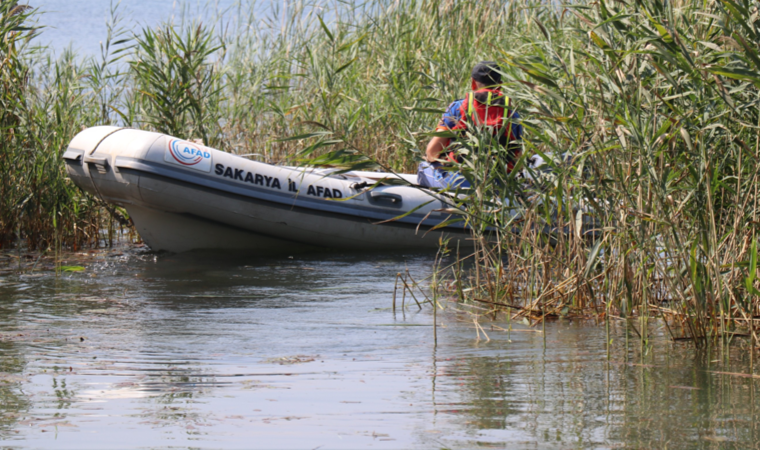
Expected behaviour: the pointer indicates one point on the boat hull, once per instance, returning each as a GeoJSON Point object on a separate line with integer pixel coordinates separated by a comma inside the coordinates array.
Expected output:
{"type": "Point", "coordinates": [232, 203]}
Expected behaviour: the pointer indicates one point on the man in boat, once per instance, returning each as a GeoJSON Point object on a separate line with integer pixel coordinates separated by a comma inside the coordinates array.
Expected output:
{"type": "Point", "coordinates": [485, 105]}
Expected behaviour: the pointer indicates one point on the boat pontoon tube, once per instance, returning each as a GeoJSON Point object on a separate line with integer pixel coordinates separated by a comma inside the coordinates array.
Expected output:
{"type": "Point", "coordinates": [183, 196]}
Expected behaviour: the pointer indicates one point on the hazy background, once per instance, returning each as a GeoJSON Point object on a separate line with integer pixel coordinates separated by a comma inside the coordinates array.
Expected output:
{"type": "Point", "coordinates": [82, 23]}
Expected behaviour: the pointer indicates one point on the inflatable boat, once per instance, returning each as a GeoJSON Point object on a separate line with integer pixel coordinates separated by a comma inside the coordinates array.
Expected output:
{"type": "Point", "coordinates": [183, 196]}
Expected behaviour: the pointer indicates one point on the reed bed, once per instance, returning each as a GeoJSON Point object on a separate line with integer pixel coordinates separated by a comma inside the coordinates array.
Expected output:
{"type": "Point", "coordinates": [648, 115]}
{"type": "Point", "coordinates": [646, 112]}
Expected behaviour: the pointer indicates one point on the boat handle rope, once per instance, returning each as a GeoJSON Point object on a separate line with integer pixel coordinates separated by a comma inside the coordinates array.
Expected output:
{"type": "Point", "coordinates": [89, 159]}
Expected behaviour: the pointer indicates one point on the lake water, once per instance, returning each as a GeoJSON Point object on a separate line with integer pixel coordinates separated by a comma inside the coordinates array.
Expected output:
{"type": "Point", "coordinates": [81, 24]}
{"type": "Point", "coordinates": [219, 351]}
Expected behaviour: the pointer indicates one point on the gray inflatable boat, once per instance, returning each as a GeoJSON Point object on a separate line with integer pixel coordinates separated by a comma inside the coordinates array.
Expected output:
{"type": "Point", "coordinates": [183, 196]}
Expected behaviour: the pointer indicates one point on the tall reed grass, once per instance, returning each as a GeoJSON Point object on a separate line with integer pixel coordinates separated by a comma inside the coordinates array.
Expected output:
{"type": "Point", "coordinates": [648, 114]}
{"type": "Point", "coordinates": [46, 100]}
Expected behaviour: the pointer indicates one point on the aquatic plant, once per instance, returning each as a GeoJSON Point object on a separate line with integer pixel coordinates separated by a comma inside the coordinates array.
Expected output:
{"type": "Point", "coordinates": [45, 102]}
{"type": "Point", "coordinates": [178, 87]}
{"type": "Point", "coordinates": [653, 108]}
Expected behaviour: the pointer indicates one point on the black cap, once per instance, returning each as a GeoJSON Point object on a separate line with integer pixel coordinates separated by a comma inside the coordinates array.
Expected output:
{"type": "Point", "coordinates": [487, 72]}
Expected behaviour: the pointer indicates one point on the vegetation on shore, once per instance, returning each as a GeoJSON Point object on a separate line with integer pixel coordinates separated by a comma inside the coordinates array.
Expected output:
{"type": "Point", "coordinates": [647, 112]}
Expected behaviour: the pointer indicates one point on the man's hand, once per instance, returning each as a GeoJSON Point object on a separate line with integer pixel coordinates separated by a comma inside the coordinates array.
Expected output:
{"type": "Point", "coordinates": [435, 148]}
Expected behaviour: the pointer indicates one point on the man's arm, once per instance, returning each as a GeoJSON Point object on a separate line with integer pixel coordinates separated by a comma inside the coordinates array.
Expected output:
{"type": "Point", "coordinates": [449, 120]}
{"type": "Point", "coordinates": [435, 148]}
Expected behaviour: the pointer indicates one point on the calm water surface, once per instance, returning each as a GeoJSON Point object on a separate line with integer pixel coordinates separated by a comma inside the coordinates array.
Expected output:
{"type": "Point", "coordinates": [219, 351]}
{"type": "Point", "coordinates": [81, 24]}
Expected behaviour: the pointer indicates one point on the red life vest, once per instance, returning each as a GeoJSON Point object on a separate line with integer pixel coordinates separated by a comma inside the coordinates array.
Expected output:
{"type": "Point", "coordinates": [490, 108]}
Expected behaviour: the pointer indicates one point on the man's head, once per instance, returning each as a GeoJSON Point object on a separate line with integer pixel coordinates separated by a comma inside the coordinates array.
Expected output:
{"type": "Point", "coordinates": [486, 74]}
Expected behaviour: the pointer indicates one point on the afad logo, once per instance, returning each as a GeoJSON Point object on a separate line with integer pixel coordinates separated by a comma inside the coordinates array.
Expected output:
{"type": "Point", "coordinates": [187, 154]}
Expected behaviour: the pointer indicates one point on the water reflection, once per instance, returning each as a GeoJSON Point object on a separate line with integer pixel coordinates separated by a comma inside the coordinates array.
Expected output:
{"type": "Point", "coordinates": [239, 351]}
{"type": "Point", "coordinates": [13, 402]}
{"type": "Point", "coordinates": [569, 395]}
